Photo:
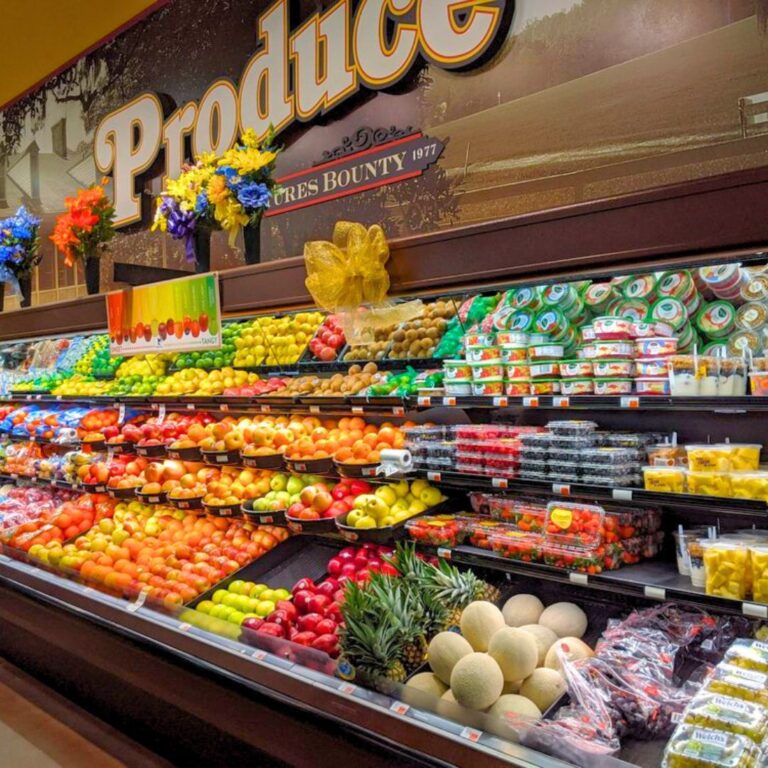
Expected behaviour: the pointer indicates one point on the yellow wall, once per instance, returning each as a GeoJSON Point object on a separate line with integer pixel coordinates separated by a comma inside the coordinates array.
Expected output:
{"type": "Point", "coordinates": [39, 36]}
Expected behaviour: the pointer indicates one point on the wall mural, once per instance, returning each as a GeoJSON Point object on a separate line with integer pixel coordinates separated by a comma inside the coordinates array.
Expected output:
{"type": "Point", "coordinates": [580, 100]}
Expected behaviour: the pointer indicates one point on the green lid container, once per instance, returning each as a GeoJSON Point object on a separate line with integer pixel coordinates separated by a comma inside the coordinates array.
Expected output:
{"type": "Point", "coordinates": [641, 287]}
{"type": "Point", "coordinates": [717, 319]}
{"type": "Point", "coordinates": [635, 310]}
{"type": "Point", "coordinates": [564, 297]}
{"type": "Point", "coordinates": [598, 296]}
{"type": "Point", "coordinates": [670, 311]}
{"type": "Point", "coordinates": [522, 321]}
{"type": "Point", "coordinates": [553, 322]}
{"type": "Point", "coordinates": [528, 298]}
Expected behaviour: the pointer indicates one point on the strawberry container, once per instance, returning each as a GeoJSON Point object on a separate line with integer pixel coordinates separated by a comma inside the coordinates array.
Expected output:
{"type": "Point", "coordinates": [572, 524]}
{"type": "Point", "coordinates": [438, 530]}
{"type": "Point", "coordinates": [527, 515]}
{"type": "Point", "coordinates": [516, 545]}
{"type": "Point", "coordinates": [574, 558]}
{"type": "Point", "coordinates": [478, 533]}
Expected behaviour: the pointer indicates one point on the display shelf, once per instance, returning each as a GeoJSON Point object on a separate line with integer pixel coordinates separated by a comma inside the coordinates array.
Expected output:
{"type": "Point", "coordinates": [713, 504]}
{"type": "Point", "coordinates": [653, 579]}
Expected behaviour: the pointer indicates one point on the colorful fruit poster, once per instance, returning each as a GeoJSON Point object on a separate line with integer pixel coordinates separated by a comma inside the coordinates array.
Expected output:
{"type": "Point", "coordinates": [174, 316]}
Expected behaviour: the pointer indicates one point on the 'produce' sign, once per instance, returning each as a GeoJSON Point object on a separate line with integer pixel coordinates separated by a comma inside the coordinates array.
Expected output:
{"type": "Point", "coordinates": [396, 160]}
{"type": "Point", "coordinates": [296, 76]}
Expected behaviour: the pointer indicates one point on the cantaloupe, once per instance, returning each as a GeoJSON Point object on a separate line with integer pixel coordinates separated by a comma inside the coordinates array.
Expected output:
{"type": "Point", "coordinates": [522, 609]}
{"type": "Point", "coordinates": [571, 647]}
{"type": "Point", "coordinates": [450, 708]}
{"type": "Point", "coordinates": [544, 687]}
{"type": "Point", "coordinates": [544, 638]}
{"type": "Point", "coordinates": [510, 707]}
{"type": "Point", "coordinates": [479, 621]}
{"type": "Point", "coordinates": [564, 619]}
{"type": "Point", "coordinates": [445, 649]}
{"type": "Point", "coordinates": [515, 652]}
{"type": "Point", "coordinates": [427, 682]}
{"type": "Point", "coordinates": [476, 681]}
{"type": "Point", "coordinates": [511, 686]}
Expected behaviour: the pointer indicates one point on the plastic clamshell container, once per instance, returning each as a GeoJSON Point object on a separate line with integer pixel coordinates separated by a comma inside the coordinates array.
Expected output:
{"type": "Point", "coordinates": [545, 387]}
{"type": "Point", "coordinates": [488, 387]}
{"type": "Point", "coordinates": [575, 559]}
{"type": "Point", "coordinates": [613, 369]}
{"type": "Point", "coordinates": [613, 386]}
{"type": "Point", "coordinates": [517, 371]}
{"type": "Point", "coordinates": [573, 442]}
{"type": "Point", "coordinates": [610, 350]}
{"type": "Point", "coordinates": [536, 439]}
{"type": "Point", "coordinates": [577, 387]}
{"type": "Point", "coordinates": [749, 485]}
{"type": "Point", "coordinates": [479, 532]}
{"type": "Point", "coordinates": [609, 456]}
{"type": "Point", "coordinates": [632, 439]}
{"type": "Point", "coordinates": [666, 455]}
{"type": "Point", "coordinates": [477, 432]}
{"type": "Point", "coordinates": [517, 387]}
{"type": "Point", "coordinates": [424, 434]}
{"type": "Point", "coordinates": [726, 713]}
{"type": "Point", "coordinates": [758, 383]}
{"type": "Point", "coordinates": [483, 354]}
{"type": "Point", "coordinates": [664, 479]}
{"type": "Point", "coordinates": [617, 478]}
{"type": "Point", "coordinates": [573, 524]}
{"type": "Point", "coordinates": [695, 747]}
{"type": "Point", "coordinates": [517, 545]}
{"type": "Point", "coordinates": [652, 386]}
{"type": "Point", "coordinates": [526, 515]}
{"type": "Point", "coordinates": [739, 457]}
{"type": "Point", "coordinates": [746, 684]}
{"type": "Point", "coordinates": [709, 483]}
{"type": "Point", "coordinates": [748, 654]}
{"type": "Point", "coordinates": [571, 427]}
{"type": "Point", "coordinates": [759, 562]}
{"type": "Point", "coordinates": [727, 570]}
{"type": "Point", "coordinates": [652, 367]}
{"type": "Point", "coordinates": [575, 369]}
{"type": "Point", "coordinates": [612, 328]}
{"type": "Point", "coordinates": [437, 530]}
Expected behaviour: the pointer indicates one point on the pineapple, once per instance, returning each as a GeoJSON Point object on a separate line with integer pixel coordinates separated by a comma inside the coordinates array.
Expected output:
{"type": "Point", "coordinates": [373, 651]}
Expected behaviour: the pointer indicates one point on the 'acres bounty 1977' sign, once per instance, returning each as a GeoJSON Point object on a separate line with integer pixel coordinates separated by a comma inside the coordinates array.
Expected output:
{"type": "Point", "coordinates": [296, 76]}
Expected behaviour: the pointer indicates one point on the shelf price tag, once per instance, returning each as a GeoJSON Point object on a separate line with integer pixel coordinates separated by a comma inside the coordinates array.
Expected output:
{"type": "Point", "coordinates": [398, 410]}
{"type": "Point", "coordinates": [655, 593]}
{"type": "Point", "coordinates": [358, 409]}
{"type": "Point", "coordinates": [184, 627]}
{"type": "Point", "coordinates": [561, 402]}
{"type": "Point", "coordinates": [444, 552]}
{"type": "Point", "coordinates": [424, 400]}
{"type": "Point", "coordinates": [449, 401]}
{"type": "Point", "coordinates": [399, 707]}
{"type": "Point", "coordinates": [161, 413]}
{"type": "Point", "coordinates": [578, 578]}
{"type": "Point", "coordinates": [629, 402]}
{"type": "Point", "coordinates": [434, 477]}
{"type": "Point", "coordinates": [561, 489]}
{"type": "Point", "coordinates": [621, 494]}
{"type": "Point", "coordinates": [266, 409]}
{"type": "Point", "coordinates": [259, 655]}
{"type": "Point", "coordinates": [500, 482]}
{"type": "Point", "coordinates": [137, 603]}
{"type": "Point", "coordinates": [347, 688]}
{"type": "Point", "coordinates": [471, 734]}
{"type": "Point", "coordinates": [500, 402]}
{"type": "Point", "coordinates": [755, 610]}
{"type": "Point", "coordinates": [314, 409]}
{"type": "Point", "coordinates": [531, 402]}
{"type": "Point", "coordinates": [190, 406]}
{"type": "Point", "coordinates": [224, 407]}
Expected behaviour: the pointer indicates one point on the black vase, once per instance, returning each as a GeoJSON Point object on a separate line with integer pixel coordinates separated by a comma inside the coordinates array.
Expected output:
{"type": "Point", "coordinates": [202, 238]}
{"type": "Point", "coordinates": [25, 284]}
{"type": "Point", "coordinates": [252, 240]}
{"type": "Point", "coordinates": [92, 271]}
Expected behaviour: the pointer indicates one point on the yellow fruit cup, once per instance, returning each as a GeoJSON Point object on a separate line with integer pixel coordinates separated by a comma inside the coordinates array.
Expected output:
{"type": "Point", "coordinates": [749, 485]}
{"type": "Point", "coordinates": [726, 565]}
{"type": "Point", "coordinates": [759, 557]}
{"type": "Point", "coordinates": [709, 458]}
{"type": "Point", "coordinates": [745, 457]}
{"type": "Point", "coordinates": [664, 479]}
{"type": "Point", "coordinates": [709, 483]}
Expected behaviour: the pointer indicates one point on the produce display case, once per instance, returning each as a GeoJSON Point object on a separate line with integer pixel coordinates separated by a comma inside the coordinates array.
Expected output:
{"type": "Point", "coordinates": [566, 519]}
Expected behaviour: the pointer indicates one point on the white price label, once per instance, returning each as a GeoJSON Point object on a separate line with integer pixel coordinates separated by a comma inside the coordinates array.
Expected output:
{"type": "Point", "coordinates": [561, 402]}
{"type": "Point", "coordinates": [398, 410]}
{"type": "Point", "coordinates": [434, 477]}
{"type": "Point", "coordinates": [424, 400]}
{"type": "Point", "coordinates": [561, 489]}
{"type": "Point", "coordinates": [136, 604]}
{"type": "Point", "coordinates": [578, 578]}
{"type": "Point", "coordinates": [184, 627]}
{"type": "Point", "coordinates": [358, 409]}
{"type": "Point", "coordinates": [531, 402]}
{"type": "Point", "coordinates": [500, 482]}
{"type": "Point", "coordinates": [755, 610]}
{"type": "Point", "coordinates": [449, 401]}
{"type": "Point", "coordinates": [38, 397]}
{"type": "Point", "coordinates": [224, 407]}
{"type": "Point", "coordinates": [500, 402]}
{"type": "Point", "coordinates": [314, 409]}
{"type": "Point", "coordinates": [121, 413]}
{"type": "Point", "coordinates": [259, 655]}
{"type": "Point", "coordinates": [58, 398]}
{"type": "Point", "coordinates": [347, 688]}
{"type": "Point", "coordinates": [655, 593]}
{"type": "Point", "coordinates": [471, 734]}
{"type": "Point", "coordinates": [266, 409]}
{"type": "Point", "coordinates": [621, 494]}
{"type": "Point", "coordinates": [399, 707]}
{"type": "Point", "coordinates": [444, 553]}
{"type": "Point", "coordinates": [161, 413]}
{"type": "Point", "coordinates": [190, 406]}
{"type": "Point", "coordinates": [629, 402]}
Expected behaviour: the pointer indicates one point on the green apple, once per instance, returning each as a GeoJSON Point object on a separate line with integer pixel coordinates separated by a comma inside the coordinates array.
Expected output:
{"type": "Point", "coordinates": [387, 520]}
{"type": "Point", "coordinates": [376, 507]}
{"type": "Point", "coordinates": [278, 482]}
{"type": "Point", "coordinates": [282, 594]}
{"type": "Point", "coordinates": [257, 589]}
{"type": "Point", "coordinates": [219, 595]}
{"type": "Point", "coordinates": [284, 498]}
{"type": "Point", "coordinates": [312, 479]}
{"type": "Point", "coordinates": [236, 617]}
{"type": "Point", "coordinates": [387, 494]}
{"type": "Point", "coordinates": [294, 485]}
{"type": "Point", "coordinates": [268, 594]}
{"type": "Point", "coordinates": [231, 600]}
{"type": "Point", "coordinates": [237, 586]}
{"type": "Point", "coordinates": [264, 608]}
{"type": "Point", "coordinates": [417, 486]}
{"type": "Point", "coordinates": [205, 606]}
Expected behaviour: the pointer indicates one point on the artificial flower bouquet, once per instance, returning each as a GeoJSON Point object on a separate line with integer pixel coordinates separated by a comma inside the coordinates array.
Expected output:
{"type": "Point", "coordinates": [226, 193]}
{"type": "Point", "coordinates": [19, 245]}
{"type": "Point", "coordinates": [85, 225]}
